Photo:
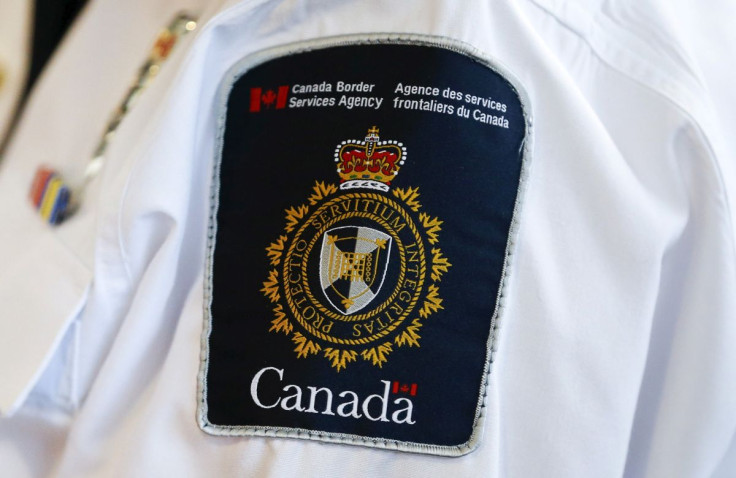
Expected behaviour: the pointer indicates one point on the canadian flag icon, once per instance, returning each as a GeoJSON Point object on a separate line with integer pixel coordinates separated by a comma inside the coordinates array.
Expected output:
{"type": "Point", "coordinates": [268, 98]}
{"type": "Point", "coordinates": [398, 387]}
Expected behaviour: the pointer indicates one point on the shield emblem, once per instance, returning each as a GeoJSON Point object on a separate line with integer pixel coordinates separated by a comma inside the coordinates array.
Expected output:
{"type": "Point", "coordinates": [353, 264]}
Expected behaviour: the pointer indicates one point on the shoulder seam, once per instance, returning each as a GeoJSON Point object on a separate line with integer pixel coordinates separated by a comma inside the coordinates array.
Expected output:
{"type": "Point", "coordinates": [594, 31]}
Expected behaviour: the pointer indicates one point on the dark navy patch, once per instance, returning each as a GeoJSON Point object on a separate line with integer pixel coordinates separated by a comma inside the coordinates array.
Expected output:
{"type": "Point", "coordinates": [362, 208]}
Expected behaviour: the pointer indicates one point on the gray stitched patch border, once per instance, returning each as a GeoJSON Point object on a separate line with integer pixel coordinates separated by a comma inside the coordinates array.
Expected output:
{"type": "Point", "coordinates": [235, 73]}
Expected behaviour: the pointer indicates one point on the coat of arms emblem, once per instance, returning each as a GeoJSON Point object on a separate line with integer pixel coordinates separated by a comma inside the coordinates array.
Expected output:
{"type": "Point", "coordinates": [353, 265]}
{"type": "Point", "coordinates": [356, 271]}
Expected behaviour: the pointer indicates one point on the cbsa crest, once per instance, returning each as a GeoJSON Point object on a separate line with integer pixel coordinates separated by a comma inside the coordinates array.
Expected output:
{"type": "Point", "coordinates": [355, 287]}
{"type": "Point", "coordinates": [353, 264]}
{"type": "Point", "coordinates": [370, 248]}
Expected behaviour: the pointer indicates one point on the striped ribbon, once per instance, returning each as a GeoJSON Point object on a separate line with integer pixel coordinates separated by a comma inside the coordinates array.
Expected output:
{"type": "Point", "coordinates": [50, 196]}
{"type": "Point", "coordinates": [53, 198]}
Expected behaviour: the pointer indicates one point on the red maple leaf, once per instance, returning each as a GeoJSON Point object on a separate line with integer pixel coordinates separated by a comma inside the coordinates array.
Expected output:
{"type": "Point", "coordinates": [268, 98]}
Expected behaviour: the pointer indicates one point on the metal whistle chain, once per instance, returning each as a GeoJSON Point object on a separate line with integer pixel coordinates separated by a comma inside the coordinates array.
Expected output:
{"type": "Point", "coordinates": [52, 197]}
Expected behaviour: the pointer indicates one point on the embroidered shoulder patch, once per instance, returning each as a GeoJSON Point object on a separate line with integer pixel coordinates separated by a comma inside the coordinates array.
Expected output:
{"type": "Point", "coordinates": [364, 195]}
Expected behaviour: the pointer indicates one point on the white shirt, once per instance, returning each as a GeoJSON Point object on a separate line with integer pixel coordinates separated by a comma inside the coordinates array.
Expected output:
{"type": "Point", "coordinates": [615, 352]}
{"type": "Point", "coordinates": [15, 49]}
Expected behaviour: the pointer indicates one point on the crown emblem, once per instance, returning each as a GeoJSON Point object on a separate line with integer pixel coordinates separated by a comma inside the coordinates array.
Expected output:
{"type": "Point", "coordinates": [370, 163]}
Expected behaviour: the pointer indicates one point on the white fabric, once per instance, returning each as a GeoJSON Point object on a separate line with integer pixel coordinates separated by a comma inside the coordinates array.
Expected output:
{"type": "Point", "coordinates": [615, 355]}
{"type": "Point", "coordinates": [46, 271]}
{"type": "Point", "coordinates": [709, 41]}
{"type": "Point", "coordinates": [15, 45]}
